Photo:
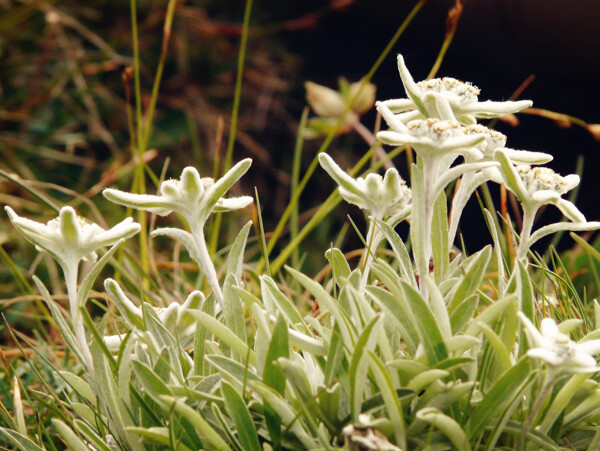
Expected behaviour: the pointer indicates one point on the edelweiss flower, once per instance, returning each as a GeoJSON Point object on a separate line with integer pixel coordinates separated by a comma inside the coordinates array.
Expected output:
{"type": "Point", "coordinates": [495, 140]}
{"type": "Point", "coordinates": [562, 354]}
{"type": "Point", "coordinates": [191, 196]}
{"type": "Point", "coordinates": [431, 138]}
{"type": "Point", "coordinates": [70, 238]}
{"type": "Point", "coordinates": [539, 186]}
{"type": "Point", "coordinates": [445, 98]}
{"type": "Point", "coordinates": [383, 197]}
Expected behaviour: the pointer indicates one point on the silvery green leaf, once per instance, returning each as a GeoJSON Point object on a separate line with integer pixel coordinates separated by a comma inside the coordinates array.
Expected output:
{"type": "Point", "coordinates": [396, 308]}
{"type": "Point", "coordinates": [490, 109]}
{"type": "Point", "coordinates": [240, 415]}
{"type": "Point", "coordinates": [457, 344]}
{"type": "Point", "coordinates": [340, 176]}
{"type": "Point", "coordinates": [439, 237]}
{"type": "Point", "coordinates": [424, 379]}
{"type": "Point", "coordinates": [569, 325]}
{"type": "Point", "coordinates": [392, 402]}
{"type": "Point", "coordinates": [61, 323]}
{"type": "Point", "coordinates": [500, 395]}
{"type": "Point", "coordinates": [339, 265]}
{"type": "Point", "coordinates": [527, 156]}
{"type": "Point", "coordinates": [463, 313]}
{"type": "Point", "coordinates": [22, 442]}
{"type": "Point", "coordinates": [490, 314]}
{"type": "Point", "coordinates": [449, 426]}
{"type": "Point", "coordinates": [455, 172]}
{"type": "Point", "coordinates": [426, 325]}
{"type": "Point", "coordinates": [131, 313]}
{"type": "Point", "coordinates": [107, 390]}
{"type": "Point", "coordinates": [588, 408]}
{"type": "Point", "coordinates": [307, 343]}
{"type": "Point", "coordinates": [225, 335]}
{"type": "Point", "coordinates": [221, 186]}
{"type": "Point", "coordinates": [502, 357]}
{"type": "Point", "coordinates": [473, 275]}
{"type": "Point", "coordinates": [184, 237]}
{"type": "Point", "coordinates": [276, 301]}
{"type": "Point", "coordinates": [417, 229]}
{"type": "Point", "coordinates": [402, 255]}
{"type": "Point", "coordinates": [511, 177]}
{"type": "Point", "coordinates": [561, 400]}
{"type": "Point", "coordinates": [235, 258]}
{"type": "Point", "coordinates": [90, 435]}
{"type": "Point", "coordinates": [411, 88]}
{"type": "Point", "coordinates": [286, 412]}
{"type": "Point", "coordinates": [297, 376]}
{"type": "Point", "coordinates": [67, 434]}
{"type": "Point", "coordinates": [438, 307]}
{"type": "Point", "coordinates": [198, 422]}
{"type": "Point", "coordinates": [232, 371]}
{"type": "Point", "coordinates": [562, 226]}
{"type": "Point", "coordinates": [80, 386]}
{"type": "Point", "coordinates": [233, 313]}
{"type": "Point", "coordinates": [569, 210]}
{"type": "Point", "coordinates": [359, 362]}
{"type": "Point", "coordinates": [327, 302]}
{"type": "Point", "coordinates": [151, 203]}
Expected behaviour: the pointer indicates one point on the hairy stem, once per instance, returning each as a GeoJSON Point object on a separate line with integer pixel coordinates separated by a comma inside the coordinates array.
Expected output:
{"type": "Point", "coordinates": [206, 265]}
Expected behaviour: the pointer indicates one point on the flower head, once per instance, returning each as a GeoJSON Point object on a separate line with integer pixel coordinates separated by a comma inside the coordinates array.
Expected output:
{"type": "Point", "coordinates": [70, 238]}
{"type": "Point", "coordinates": [560, 353]}
{"type": "Point", "coordinates": [537, 186]}
{"type": "Point", "coordinates": [383, 197]}
{"type": "Point", "coordinates": [432, 138]}
{"type": "Point", "coordinates": [191, 196]}
{"type": "Point", "coordinates": [445, 98]}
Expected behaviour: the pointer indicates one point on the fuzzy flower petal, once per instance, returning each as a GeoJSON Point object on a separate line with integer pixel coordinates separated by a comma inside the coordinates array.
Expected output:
{"type": "Point", "coordinates": [382, 197]}
{"type": "Point", "coordinates": [70, 238]}
{"type": "Point", "coordinates": [447, 98]}
{"type": "Point", "coordinates": [538, 186]}
{"type": "Point", "coordinates": [191, 196]}
{"type": "Point", "coordinates": [432, 138]}
{"type": "Point", "coordinates": [561, 354]}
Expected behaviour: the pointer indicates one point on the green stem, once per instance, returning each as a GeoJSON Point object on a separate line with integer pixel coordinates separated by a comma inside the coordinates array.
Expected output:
{"type": "Point", "coordinates": [206, 265]}
{"type": "Point", "coordinates": [374, 237]}
{"type": "Point", "coordinates": [159, 70]}
{"type": "Point", "coordinates": [528, 217]}
{"type": "Point", "coordinates": [326, 207]}
{"type": "Point", "coordinates": [76, 318]}
{"type": "Point", "coordinates": [294, 227]}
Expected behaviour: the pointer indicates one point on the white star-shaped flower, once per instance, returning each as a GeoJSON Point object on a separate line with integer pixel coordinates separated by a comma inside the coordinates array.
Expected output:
{"type": "Point", "coordinates": [538, 186]}
{"type": "Point", "coordinates": [70, 238]}
{"type": "Point", "coordinates": [561, 354]}
{"type": "Point", "coordinates": [431, 138]}
{"type": "Point", "coordinates": [445, 98]}
{"type": "Point", "coordinates": [191, 196]}
{"type": "Point", "coordinates": [383, 197]}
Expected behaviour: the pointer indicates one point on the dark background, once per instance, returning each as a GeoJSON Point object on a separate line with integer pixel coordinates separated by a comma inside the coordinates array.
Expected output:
{"type": "Point", "coordinates": [498, 45]}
